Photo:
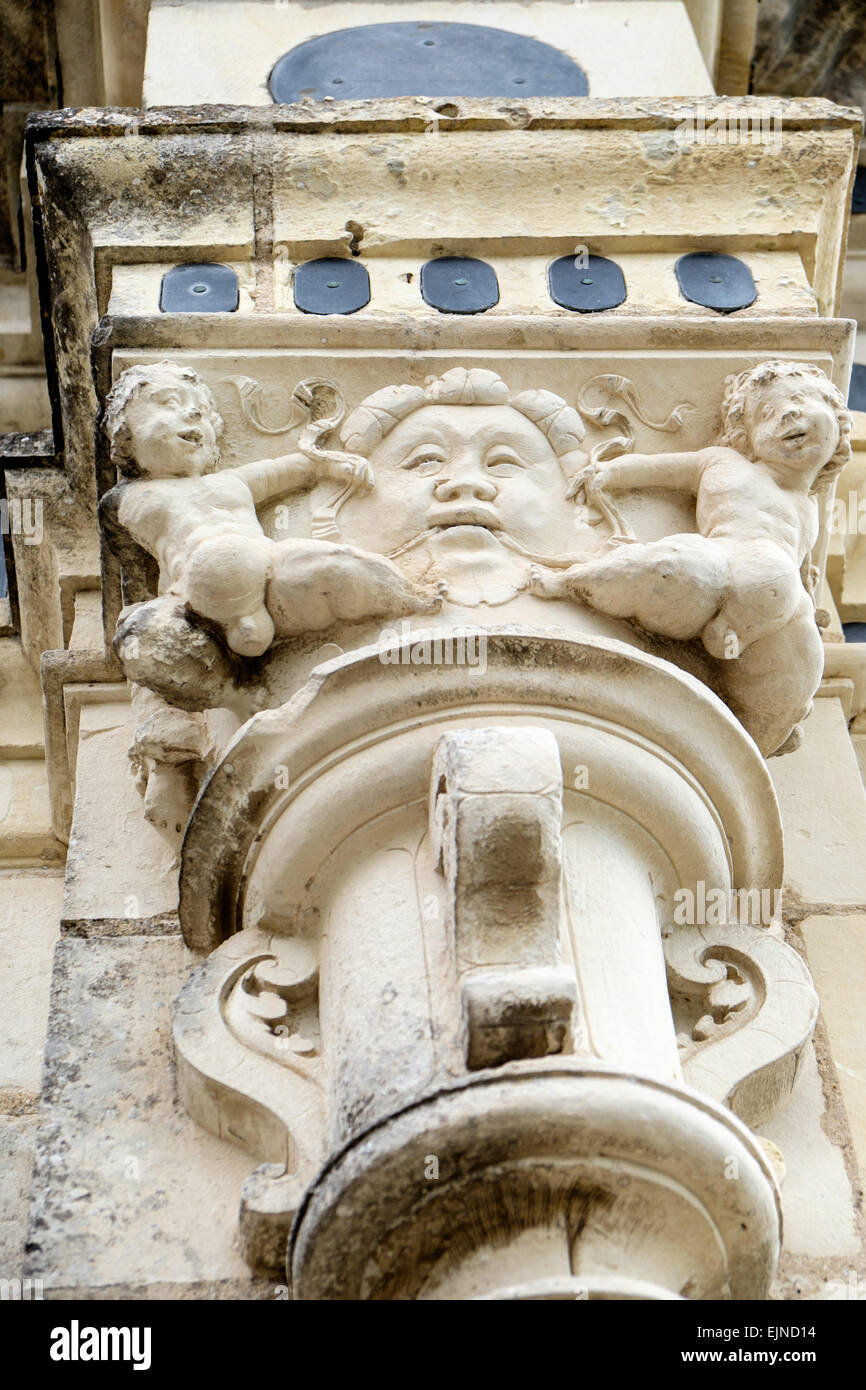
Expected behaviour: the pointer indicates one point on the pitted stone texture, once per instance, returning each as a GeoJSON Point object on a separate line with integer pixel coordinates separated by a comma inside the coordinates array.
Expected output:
{"type": "Point", "coordinates": [817, 1201]}
{"type": "Point", "coordinates": [823, 817]}
{"type": "Point", "coordinates": [17, 1138]}
{"type": "Point", "coordinates": [128, 1191]}
{"type": "Point", "coordinates": [190, 60]}
{"type": "Point", "coordinates": [119, 869]}
{"type": "Point", "coordinates": [836, 951]}
{"type": "Point", "coordinates": [29, 927]}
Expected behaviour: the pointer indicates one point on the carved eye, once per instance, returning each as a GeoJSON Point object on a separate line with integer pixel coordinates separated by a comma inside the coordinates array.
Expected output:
{"type": "Point", "coordinates": [424, 463]}
{"type": "Point", "coordinates": [505, 461]}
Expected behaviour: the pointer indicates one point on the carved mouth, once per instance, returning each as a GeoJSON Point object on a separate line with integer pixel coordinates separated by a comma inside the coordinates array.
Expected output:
{"type": "Point", "coordinates": [795, 434]}
{"type": "Point", "coordinates": [191, 437]}
{"type": "Point", "coordinates": [445, 517]}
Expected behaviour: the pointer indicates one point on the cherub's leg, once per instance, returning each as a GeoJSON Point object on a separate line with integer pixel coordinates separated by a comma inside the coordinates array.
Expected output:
{"type": "Point", "coordinates": [770, 687]}
{"type": "Point", "coordinates": [315, 584]}
{"type": "Point", "coordinates": [671, 587]}
{"type": "Point", "coordinates": [252, 634]}
{"type": "Point", "coordinates": [167, 755]}
{"type": "Point", "coordinates": [225, 581]}
{"type": "Point", "coordinates": [764, 594]}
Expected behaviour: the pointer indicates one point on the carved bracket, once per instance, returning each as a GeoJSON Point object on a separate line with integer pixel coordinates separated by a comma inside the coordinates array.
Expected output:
{"type": "Point", "coordinates": [495, 825]}
{"type": "Point", "coordinates": [756, 1010]}
{"type": "Point", "coordinates": [246, 1040]}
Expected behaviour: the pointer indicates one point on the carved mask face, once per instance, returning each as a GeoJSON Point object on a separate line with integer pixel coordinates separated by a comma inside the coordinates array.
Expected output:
{"type": "Point", "coordinates": [448, 466]}
{"type": "Point", "coordinates": [171, 431]}
{"type": "Point", "coordinates": [791, 426]}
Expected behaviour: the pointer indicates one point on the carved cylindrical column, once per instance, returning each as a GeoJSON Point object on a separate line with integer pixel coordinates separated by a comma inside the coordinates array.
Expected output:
{"type": "Point", "coordinates": [484, 864]}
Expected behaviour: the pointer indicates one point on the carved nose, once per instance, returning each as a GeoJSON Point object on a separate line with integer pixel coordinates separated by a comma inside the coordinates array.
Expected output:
{"type": "Point", "coordinates": [466, 486]}
{"type": "Point", "coordinates": [792, 414]}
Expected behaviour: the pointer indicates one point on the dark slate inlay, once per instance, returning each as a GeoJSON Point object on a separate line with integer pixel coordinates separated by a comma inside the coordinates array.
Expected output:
{"type": "Point", "coordinates": [426, 60]}
{"type": "Point", "coordinates": [199, 289]}
{"type": "Point", "coordinates": [331, 286]}
{"type": "Point", "coordinates": [598, 285]}
{"type": "Point", "coordinates": [858, 193]}
{"type": "Point", "coordinates": [716, 280]}
{"type": "Point", "coordinates": [854, 632]}
{"type": "Point", "coordinates": [459, 285]}
{"type": "Point", "coordinates": [4, 582]}
{"type": "Point", "coordinates": [857, 387]}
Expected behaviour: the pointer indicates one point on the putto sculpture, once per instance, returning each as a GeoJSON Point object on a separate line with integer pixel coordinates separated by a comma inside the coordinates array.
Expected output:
{"type": "Point", "coordinates": [610, 627]}
{"type": "Point", "coordinates": [199, 521]}
{"type": "Point", "coordinates": [455, 496]}
{"type": "Point", "coordinates": [744, 583]}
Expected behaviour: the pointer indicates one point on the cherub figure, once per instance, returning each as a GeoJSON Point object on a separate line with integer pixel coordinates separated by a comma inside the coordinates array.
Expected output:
{"type": "Point", "coordinates": [743, 583]}
{"type": "Point", "coordinates": [199, 521]}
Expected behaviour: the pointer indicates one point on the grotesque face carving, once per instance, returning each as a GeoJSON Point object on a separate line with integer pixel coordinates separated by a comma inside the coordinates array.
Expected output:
{"type": "Point", "coordinates": [445, 467]}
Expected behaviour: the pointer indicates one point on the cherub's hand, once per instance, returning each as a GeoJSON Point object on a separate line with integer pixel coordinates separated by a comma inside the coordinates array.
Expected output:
{"type": "Point", "coordinates": [349, 470]}
{"type": "Point", "coordinates": [593, 478]}
{"type": "Point", "coordinates": [811, 575]}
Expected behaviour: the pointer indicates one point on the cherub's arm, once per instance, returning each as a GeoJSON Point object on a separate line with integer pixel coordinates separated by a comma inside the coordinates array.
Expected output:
{"type": "Point", "coordinates": [295, 472]}
{"type": "Point", "coordinates": [679, 471]}
{"type": "Point", "coordinates": [269, 478]}
{"type": "Point", "coordinates": [139, 570]}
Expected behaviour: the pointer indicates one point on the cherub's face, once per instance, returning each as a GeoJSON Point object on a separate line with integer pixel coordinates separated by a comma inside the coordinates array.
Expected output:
{"type": "Point", "coordinates": [449, 466]}
{"type": "Point", "coordinates": [792, 426]}
{"type": "Point", "coordinates": [171, 430]}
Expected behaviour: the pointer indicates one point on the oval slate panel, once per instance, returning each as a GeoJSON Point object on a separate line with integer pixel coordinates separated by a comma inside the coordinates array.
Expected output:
{"type": "Point", "coordinates": [716, 280]}
{"type": "Point", "coordinates": [331, 285]}
{"type": "Point", "coordinates": [599, 285]}
{"type": "Point", "coordinates": [459, 285]}
{"type": "Point", "coordinates": [858, 192]}
{"type": "Point", "coordinates": [199, 289]}
{"type": "Point", "coordinates": [424, 60]}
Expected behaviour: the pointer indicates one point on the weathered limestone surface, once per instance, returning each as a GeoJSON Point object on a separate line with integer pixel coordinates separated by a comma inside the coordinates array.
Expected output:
{"type": "Point", "coordinates": [17, 1142]}
{"type": "Point", "coordinates": [127, 1190]}
{"type": "Point", "coordinates": [409, 682]}
{"type": "Point", "coordinates": [29, 928]}
{"type": "Point", "coordinates": [836, 951]}
{"type": "Point", "coordinates": [191, 61]}
{"type": "Point", "coordinates": [824, 817]}
{"type": "Point", "coordinates": [818, 1204]}
{"type": "Point", "coordinates": [119, 870]}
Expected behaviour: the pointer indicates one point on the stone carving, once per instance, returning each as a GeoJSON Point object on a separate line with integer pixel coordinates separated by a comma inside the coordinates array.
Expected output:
{"type": "Point", "coordinates": [744, 585]}
{"type": "Point", "coordinates": [496, 834]}
{"type": "Point", "coordinates": [246, 1036]}
{"type": "Point", "coordinates": [200, 523]}
{"type": "Point", "coordinates": [486, 930]}
{"type": "Point", "coordinates": [457, 493]}
{"type": "Point", "coordinates": [757, 1010]}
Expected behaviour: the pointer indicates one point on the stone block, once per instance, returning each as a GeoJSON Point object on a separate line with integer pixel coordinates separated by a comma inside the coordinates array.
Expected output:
{"type": "Point", "coordinates": [823, 817]}
{"type": "Point", "coordinates": [119, 869]}
{"type": "Point", "coordinates": [836, 950]}
{"type": "Point", "coordinates": [130, 1195]}
{"type": "Point", "coordinates": [29, 929]}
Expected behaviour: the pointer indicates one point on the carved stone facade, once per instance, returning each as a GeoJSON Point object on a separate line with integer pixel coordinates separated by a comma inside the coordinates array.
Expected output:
{"type": "Point", "coordinates": [445, 711]}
